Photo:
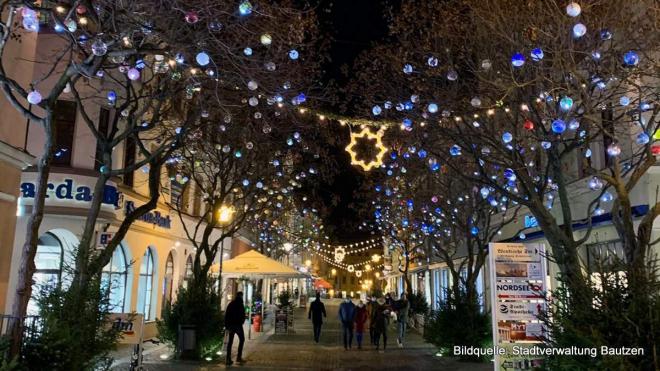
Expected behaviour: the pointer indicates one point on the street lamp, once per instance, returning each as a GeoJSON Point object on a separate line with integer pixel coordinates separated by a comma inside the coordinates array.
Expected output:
{"type": "Point", "coordinates": [225, 214]}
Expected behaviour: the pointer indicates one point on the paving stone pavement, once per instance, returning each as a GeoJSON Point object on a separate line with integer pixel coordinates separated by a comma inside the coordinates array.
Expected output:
{"type": "Point", "coordinates": [298, 351]}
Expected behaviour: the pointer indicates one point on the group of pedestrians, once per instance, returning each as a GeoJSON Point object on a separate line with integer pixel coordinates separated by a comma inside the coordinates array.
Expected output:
{"type": "Point", "coordinates": [375, 315]}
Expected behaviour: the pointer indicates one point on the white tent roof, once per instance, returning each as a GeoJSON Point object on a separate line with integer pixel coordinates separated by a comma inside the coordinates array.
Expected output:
{"type": "Point", "coordinates": [255, 265]}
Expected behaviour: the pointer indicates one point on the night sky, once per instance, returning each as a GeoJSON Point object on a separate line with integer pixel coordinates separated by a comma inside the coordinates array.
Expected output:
{"type": "Point", "coordinates": [352, 27]}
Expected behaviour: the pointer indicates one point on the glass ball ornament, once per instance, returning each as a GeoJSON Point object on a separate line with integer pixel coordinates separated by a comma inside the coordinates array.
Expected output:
{"type": "Point", "coordinates": [432, 108]}
{"type": "Point", "coordinates": [558, 126]}
{"type": "Point", "coordinates": [573, 124]}
{"type": "Point", "coordinates": [475, 102]}
{"type": "Point", "coordinates": [455, 150]}
{"type": "Point", "coordinates": [605, 34]}
{"type": "Point", "coordinates": [202, 59]}
{"type": "Point", "coordinates": [518, 60]}
{"type": "Point", "coordinates": [133, 74]}
{"type": "Point", "coordinates": [528, 125]}
{"type": "Point", "coordinates": [452, 75]}
{"type": "Point", "coordinates": [249, 145]}
{"type": "Point", "coordinates": [270, 66]}
{"type": "Point", "coordinates": [293, 54]}
{"type": "Point", "coordinates": [266, 39]}
{"type": "Point", "coordinates": [266, 129]}
{"type": "Point", "coordinates": [253, 101]}
{"type": "Point", "coordinates": [99, 48]}
{"type": "Point", "coordinates": [191, 17]}
{"type": "Point", "coordinates": [407, 69]}
{"type": "Point", "coordinates": [595, 184]}
{"type": "Point", "coordinates": [510, 175]}
{"type": "Point", "coordinates": [34, 97]}
{"type": "Point", "coordinates": [484, 191]}
{"type": "Point", "coordinates": [624, 100]}
{"type": "Point", "coordinates": [245, 8]}
{"type": "Point", "coordinates": [247, 51]}
{"type": "Point", "coordinates": [507, 137]}
{"type": "Point", "coordinates": [376, 110]}
{"type": "Point", "coordinates": [573, 9]}
{"type": "Point", "coordinates": [614, 149]}
{"type": "Point", "coordinates": [474, 231]}
{"type": "Point", "coordinates": [104, 169]}
{"type": "Point", "coordinates": [112, 96]}
{"type": "Point", "coordinates": [606, 197]}
{"type": "Point", "coordinates": [486, 64]}
{"type": "Point", "coordinates": [238, 154]}
{"type": "Point", "coordinates": [579, 30]}
{"type": "Point", "coordinates": [595, 55]}
{"type": "Point", "coordinates": [631, 58]}
{"type": "Point", "coordinates": [643, 138]}
{"type": "Point", "coordinates": [566, 103]}
{"type": "Point", "coordinates": [422, 154]}
{"type": "Point", "coordinates": [536, 54]}
{"type": "Point", "coordinates": [252, 85]}
{"type": "Point", "coordinates": [432, 62]}
{"type": "Point", "coordinates": [215, 26]}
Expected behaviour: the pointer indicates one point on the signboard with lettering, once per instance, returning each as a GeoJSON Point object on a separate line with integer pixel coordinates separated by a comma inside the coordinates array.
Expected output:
{"type": "Point", "coordinates": [67, 189]}
{"type": "Point", "coordinates": [104, 239]}
{"type": "Point", "coordinates": [281, 321]}
{"type": "Point", "coordinates": [152, 217]}
{"type": "Point", "coordinates": [130, 325]}
{"type": "Point", "coordinates": [518, 297]}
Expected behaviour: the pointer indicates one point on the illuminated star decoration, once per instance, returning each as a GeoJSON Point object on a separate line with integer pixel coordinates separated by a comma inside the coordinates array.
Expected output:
{"type": "Point", "coordinates": [367, 134]}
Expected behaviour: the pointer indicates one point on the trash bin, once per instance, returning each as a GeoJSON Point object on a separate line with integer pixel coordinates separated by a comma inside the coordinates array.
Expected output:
{"type": "Point", "coordinates": [187, 341]}
{"type": "Point", "coordinates": [256, 323]}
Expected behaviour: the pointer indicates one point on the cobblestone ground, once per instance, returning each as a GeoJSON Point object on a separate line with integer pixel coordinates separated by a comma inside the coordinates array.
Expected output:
{"type": "Point", "coordinates": [297, 351]}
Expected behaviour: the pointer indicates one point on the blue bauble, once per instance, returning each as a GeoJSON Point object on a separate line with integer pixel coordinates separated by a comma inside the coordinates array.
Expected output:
{"type": "Point", "coordinates": [631, 58]}
{"type": "Point", "coordinates": [517, 60]}
{"type": "Point", "coordinates": [558, 126]}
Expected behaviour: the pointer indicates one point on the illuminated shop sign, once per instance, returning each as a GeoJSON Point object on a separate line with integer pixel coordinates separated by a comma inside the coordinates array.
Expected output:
{"type": "Point", "coordinates": [531, 222]}
{"type": "Point", "coordinates": [155, 218]}
{"type": "Point", "coordinates": [68, 190]}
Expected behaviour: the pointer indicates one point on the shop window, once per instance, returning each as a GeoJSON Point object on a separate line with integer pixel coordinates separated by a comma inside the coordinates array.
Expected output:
{"type": "Point", "coordinates": [145, 286]}
{"type": "Point", "coordinates": [48, 264]}
{"type": "Point", "coordinates": [189, 271]}
{"type": "Point", "coordinates": [114, 279]}
{"type": "Point", "coordinates": [167, 282]}
{"type": "Point", "coordinates": [64, 125]}
{"type": "Point", "coordinates": [104, 121]}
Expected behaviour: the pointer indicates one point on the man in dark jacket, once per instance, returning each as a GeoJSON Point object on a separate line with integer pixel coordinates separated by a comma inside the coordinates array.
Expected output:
{"type": "Point", "coordinates": [347, 316]}
{"type": "Point", "coordinates": [234, 319]}
{"type": "Point", "coordinates": [316, 314]}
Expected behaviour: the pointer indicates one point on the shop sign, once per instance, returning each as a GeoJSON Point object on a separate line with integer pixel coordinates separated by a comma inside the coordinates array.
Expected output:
{"type": "Point", "coordinates": [152, 217]}
{"type": "Point", "coordinates": [104, 239]}
{"type": "Point", "coordinates": [129, 324]}
{"type": "Point", "coordinates": [69, 190]}
{"type": "Point", "coordinates": [531, 222]}
{"type": "Point", "coordinates": [519, 311]}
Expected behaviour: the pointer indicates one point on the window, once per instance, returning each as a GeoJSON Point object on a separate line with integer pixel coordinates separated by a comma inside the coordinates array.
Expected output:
{"type": "Point", "coordinates": [48, 264]}
{"type": "Point", "coordinates": [64, 125]}
{"type": "Point", "coordinates": [114, 278]}
{"type": "Point", "coordinates": [145, 286]}
{"type": "Point", "coordinates": [104, 119]}
{"type": "Point", "coordinates": [605, 256]}
{"type": "Point", "coordinates": [189, 271]}
{"type": "Point", "coordinates": [167, 282]}
{"type": "Point", "coordinates": [129, 159]}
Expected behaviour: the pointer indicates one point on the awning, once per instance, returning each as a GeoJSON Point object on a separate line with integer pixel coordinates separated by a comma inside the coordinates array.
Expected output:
{"type": "Point", "coordinates": [255, 265]}
{"type": "Point", "coordinates": [320, 283]}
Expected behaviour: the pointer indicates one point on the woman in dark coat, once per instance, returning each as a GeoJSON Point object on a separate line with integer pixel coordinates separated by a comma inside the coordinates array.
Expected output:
{"type": "Point", "coordinates": [360, 321]}
{"type": "Point", "coordinates": [381, 319]}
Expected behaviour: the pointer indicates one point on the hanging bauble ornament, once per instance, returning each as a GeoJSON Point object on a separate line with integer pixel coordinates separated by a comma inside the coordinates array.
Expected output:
{"type": "Point", "coordinates": [558, 126]}
{"type": "Point", "coordinates": [573, 9]}
{"type": "Point", "coordinates": [484, 192]}
{"type": "Point", "coordinates": [202, 59]}
{"type": "Point", "coordinates": [474, 231]}
{"type": "Point", "coordinates": [247, 51]}
{"type": "Point", "coordinates": [34, 97]}
{"type": "Point", "coordinates": [112, 96]}
{"type": "Point", "coordinates": [432, 108]}
{"type": "Point", "coordinates": [566, 103]}
{"type": "Point", "coordinates": [643, 138]}
{"type": "Point", "coordinates": [605, 34]}
{"type": "Point", "coordinates": [536, 54]}
{"type": "Point", "coordinates": [253, 101]}
{"type": "Point", "coordinates": [518, 60]}
{"type": "Point", "coordinates": [293, 54]}
{"type": "Point", "coordinates": [252, 85]}
{"type": "Point", "coordinates": [99, 48]}
{"type": "Point", "coordinates": [579, 30]}
{"type": "Point", "coordinates": [270, 66]}
{"type": "Point", "coordinates": [475, 102]}
{"type": "Point", "coordinates": [631, 58]}
{"type": "Point", "coordinates": [510, 175]}
{"type": "Point", "coordinates": [595, 184]}
{"type": "Point", "coordinates": [528, 125]}
{"type": "Point", "coordinates": [71, 25]}
{"type": "Point", "coordinates": [507, 137]}
{"type": "Point", "coordinates": [614, 149]}
{"type": "Point", "coordinates": [133, 74]}
{"type": "Point", "coordinates": [407, 69]}
{"type": "Point", "coordinates": [266, 39]}
{"type": "Point", "coordinates": [191, 17]}
{"type": "Point", "coordinates": [486, 64]}
{"type": "Point", "coordinates": [624, 101]}
{"type": "Point", "coordinates": [455, 150]}
{"type": "Point", "coordinates": [376, 110]}
{"type": "Point", "coordinates": [432, 62]}
{"type": "Point", "coordinates": [245, 8]}
{"type": "Point", "coordinates": [266, 129]}
{"type": "Point", "coordinates": [574, 124]}
{"type": "Point", "coordinates": [215, 26]}
{"type": "Point", "coordinates": [452, 75]}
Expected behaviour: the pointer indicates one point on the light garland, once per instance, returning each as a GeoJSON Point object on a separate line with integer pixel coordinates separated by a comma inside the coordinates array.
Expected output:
{"type": "Point", "coordinates": [367, 134]}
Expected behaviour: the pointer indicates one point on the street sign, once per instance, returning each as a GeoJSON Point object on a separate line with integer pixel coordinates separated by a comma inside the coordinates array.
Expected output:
{"type": "Point", "coordinates": [103, 239]}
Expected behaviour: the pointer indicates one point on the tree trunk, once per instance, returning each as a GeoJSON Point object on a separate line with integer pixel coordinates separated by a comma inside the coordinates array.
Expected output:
{"type": "Point", "coordinates": [26, 265]}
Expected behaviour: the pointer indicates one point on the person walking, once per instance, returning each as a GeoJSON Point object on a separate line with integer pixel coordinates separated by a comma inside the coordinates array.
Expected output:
{"type": "Point", "coordinates": [371, 305]}
{"type": "Point", "coordinates": [388, 300]}
{"type": "Point", "coordinates": [360, 320]}
{"type": "Point", "coordinates": [404, 310]}
{"type": "Point", "coordinates": [347, 316]}
{"type": "Point", "coordinates": [234, 319]}
{"type": "Point", "coordinates": [381, 321]}
{"type": "Point", "coordinates": [316, 314]}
